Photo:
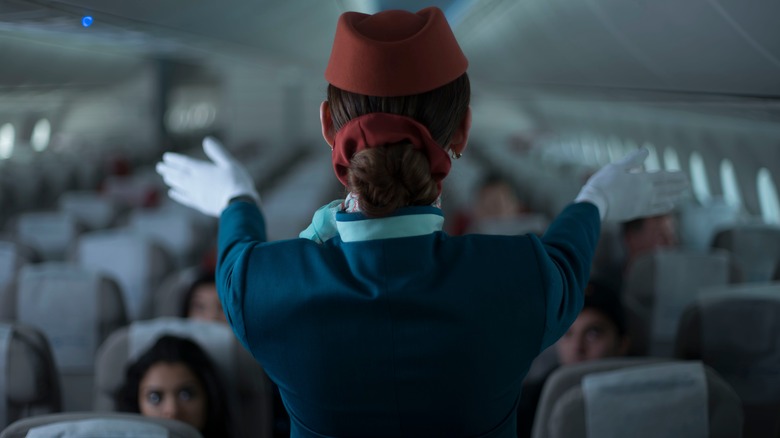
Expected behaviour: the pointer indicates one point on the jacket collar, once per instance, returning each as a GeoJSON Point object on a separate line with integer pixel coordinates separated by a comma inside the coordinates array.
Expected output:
{"type": "Point", "coordinates": [405, 222]}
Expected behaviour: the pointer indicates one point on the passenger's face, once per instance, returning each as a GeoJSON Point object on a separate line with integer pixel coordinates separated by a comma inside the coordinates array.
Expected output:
{"type": "Point", "coordinates": [171, 390]}
{"type": "Point", "coordinates": [497, 201]}
{"type": "Point", "coordinates": [205, 304]}
{"type": "Point", "coordinates": [656, 232]}
{"type": "Point", "coordinates": [592, 336]}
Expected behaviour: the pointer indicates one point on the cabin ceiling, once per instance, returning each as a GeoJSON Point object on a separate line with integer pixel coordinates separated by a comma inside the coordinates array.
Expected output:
{"type": "Point", "coordinates": [710, 47]}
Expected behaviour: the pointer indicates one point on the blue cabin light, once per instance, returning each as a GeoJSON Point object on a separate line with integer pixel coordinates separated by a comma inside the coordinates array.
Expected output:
{"type": "Point", "coordinates": [86, 21]}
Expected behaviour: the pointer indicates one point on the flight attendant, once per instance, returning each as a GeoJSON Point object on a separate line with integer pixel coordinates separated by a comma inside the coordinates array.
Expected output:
{"type": "Point", "coordinates": [375, 322]}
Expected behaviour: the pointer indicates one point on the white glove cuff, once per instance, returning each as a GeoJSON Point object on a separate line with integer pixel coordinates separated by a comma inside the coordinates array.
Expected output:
{"type": "Point", "coordinates": [595, 197]}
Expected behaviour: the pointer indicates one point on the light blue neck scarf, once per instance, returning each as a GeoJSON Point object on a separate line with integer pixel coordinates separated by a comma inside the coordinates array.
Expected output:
{"type": "Point", "coordinates": [323, 224]}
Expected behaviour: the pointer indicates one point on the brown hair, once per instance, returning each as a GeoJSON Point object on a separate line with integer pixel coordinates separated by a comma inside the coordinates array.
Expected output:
{"type": "Point", "coordinates": [387, 178]}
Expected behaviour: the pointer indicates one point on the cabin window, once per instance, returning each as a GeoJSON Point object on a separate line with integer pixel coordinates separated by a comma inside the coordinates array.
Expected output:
{"type": "Point", "coordinates": [582, 147]}
{"type": "Point", "coordinates": [7, 134]}
{"type": "Point", "coordinates": [671, 162]}
{"type": "Point", "coordinates": [589, 152]}
{"type": "Point", "coordinates": [40, 135]}
{"type": "Point", "coordinates": [572, 148]}
{"type": "Point", "coordinates": [652, 163]}
{"type": "Point", "coordinates": [602, 154]}
{"type": "Point", "coordinates": [615, 149]}
{"type": "Point", "coordinates": [767, 197]}
{"type": "Point", "coordinates": [728, 182]}
{"type": "Point", "coordinates": [701, 188]}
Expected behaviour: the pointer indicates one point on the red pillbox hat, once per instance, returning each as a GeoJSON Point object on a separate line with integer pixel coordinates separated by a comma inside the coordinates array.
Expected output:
{"type": "Point", "coordinates": [394, 53]}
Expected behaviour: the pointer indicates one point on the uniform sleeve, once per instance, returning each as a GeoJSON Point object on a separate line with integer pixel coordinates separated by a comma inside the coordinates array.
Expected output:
{"type": "Point", "coordinates": [241, 228]}
{"type": "Point", "coordinates": [565, 254]}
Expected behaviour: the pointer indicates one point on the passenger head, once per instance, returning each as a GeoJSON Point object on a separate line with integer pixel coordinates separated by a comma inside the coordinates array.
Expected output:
{"type": "Point", "coordinates": [497, 199]}
{"type": "Point", "coordinates": [598, 332]}
{"type": "Point", "coordinates": [402, 64]}
{"type": "Point", "coordinates": [176, 379]}
{"type": "Point", "coordinates": [202, 301]}
{"type": "Point", "coordinates": [645, 235]}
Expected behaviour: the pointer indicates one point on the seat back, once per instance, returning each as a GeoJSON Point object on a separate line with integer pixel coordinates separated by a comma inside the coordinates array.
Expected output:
{"type": "Point", "coordinates": [92, 425]}
{"type": "Point", "coordinates": [755, 248]}
{"type": "Point", "coordinates": [737, 333]}
{"type": "Point", "coordinates": [134, 261]}
{"type": "Point", "coordinates": [90, 208]}
{"type": "Point", "coordinates": [660, 285]}
{"type": "Point", "coordinates": [50, 233]}
{"type": "Point", "coordinates": [29, 384]}
{"type": "Point", "coordinates": [522, 224]}
{"type": "Point", "coordinates": [169, 298]}
{"type": "Point", "coordinates": [248, 388]}
{"type": "Point", "coordinates": [637, 398]}
{"type": "Point", "coordinates": [10, 264]}
{"type": "Point", "coordinates": [698, 224]}
{"type": "Point", "coordinates": [76, 309]}
{"type": "Point", "coordinates": [174, 230]}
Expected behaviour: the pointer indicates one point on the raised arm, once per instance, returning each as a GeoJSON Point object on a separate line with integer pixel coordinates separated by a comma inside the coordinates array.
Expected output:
{"type": "Point", "coordinates": [619, 191]}
{"type": "Point", "coordinates": [221, 188]}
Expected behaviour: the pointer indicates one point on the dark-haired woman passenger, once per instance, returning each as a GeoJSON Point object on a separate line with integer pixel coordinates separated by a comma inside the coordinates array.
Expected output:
{"type": "Point", "coordinates": [201, 301]}
{"type": "Point", "coordinates": [175, 379]}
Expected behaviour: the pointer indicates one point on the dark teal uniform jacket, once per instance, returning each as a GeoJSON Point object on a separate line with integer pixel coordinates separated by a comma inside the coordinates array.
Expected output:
{"type": "Point", "coordinates": [394, 328]}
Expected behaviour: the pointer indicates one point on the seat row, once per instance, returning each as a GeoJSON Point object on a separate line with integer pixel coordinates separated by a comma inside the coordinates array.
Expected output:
{"type": "Point", "coordinates": [31, 359]}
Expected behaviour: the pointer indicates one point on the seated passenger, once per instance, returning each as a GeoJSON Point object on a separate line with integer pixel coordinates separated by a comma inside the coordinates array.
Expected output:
{"type": "Point", "coordinates": [495, 205]}
{"type": "Point", "coordinates": [636, 238]}
{"type": "Point", "coordinates": [599, 332]}
{"type": "Point", "coordinates": [202, 302]}
{"type": "Point", "coordinates": [641, 236]}
{"type": "Point", "coordinates": [176, 379]}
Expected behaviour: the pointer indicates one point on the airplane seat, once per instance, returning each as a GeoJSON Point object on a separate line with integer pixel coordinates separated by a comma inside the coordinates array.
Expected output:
{"type": "Point", "coordinates": [131, 191]}
{"type": "Point", "coordinates": [657, 288]}
{"type": "Point", "coordinates": [11, 262]}
{"type": "Point", "coordinates": [248, 388]}
{"type": "Point", "coordinates": [175, 230]}
{"type": "Point", "coordinates": [736, 331]}
{"type": "Point", "coordinates": [698, 224]}
{"type": "Point", "coordinates": [535, 223]}
{"type": "Point", "coordinates": [90, 208]}
{"type": "Point", "coordinates": [136, 262]}
{"type": "Point", "coordinates": [205, 226]}
{"type": "Point", "coordinates": [29, 383]}
{"type": "Point", "coordinates": [609, 257]}
{"type": "Point", "coordinates": [647, 397]}
{"type": "Point", "coordinates": [755, 248]}
{"type": "Point", "coordinates": [76, 309]}
{"type": "Point", "coordinates": [542, 365]}
{"type": "Point", "coordinates": [93, 424]}
{"type": "Point", "coordinates": [169, 297]}
{"type": "Point", "coordinates": [51, 233]}
{"type": "Point", "coordinates": [304, 184]}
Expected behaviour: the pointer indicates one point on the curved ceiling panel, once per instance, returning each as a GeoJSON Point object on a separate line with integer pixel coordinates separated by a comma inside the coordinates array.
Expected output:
{"type": "Point", "coordinates": [719, 47]}
{"type": "Point", "coordinates": [703, 47]}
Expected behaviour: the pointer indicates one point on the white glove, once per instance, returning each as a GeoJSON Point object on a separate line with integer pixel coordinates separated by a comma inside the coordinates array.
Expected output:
{"type": "Point", "coordinates": [206, 186]}
{"type": "Point", "coordinates": [623, 191]}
